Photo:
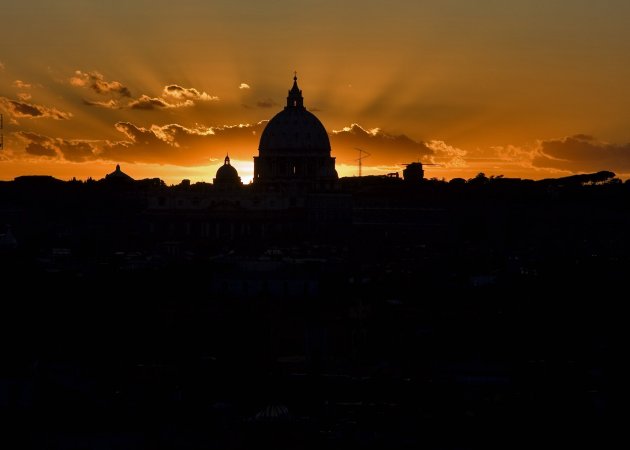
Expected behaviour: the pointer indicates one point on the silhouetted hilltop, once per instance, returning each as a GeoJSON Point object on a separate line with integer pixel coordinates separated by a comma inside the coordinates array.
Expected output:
{"type": "Point", "coordinates": [39, 181]}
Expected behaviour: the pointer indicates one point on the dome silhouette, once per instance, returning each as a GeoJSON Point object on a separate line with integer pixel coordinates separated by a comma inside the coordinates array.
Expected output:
{"type": "Point", "coordinates": [294, 149]}
{"type": "Point", "coordinates": [118, 175]}
{"type": "Point", "coordinates": [293, 129]}
{"type": "Point", "coordinates": [227, 175]}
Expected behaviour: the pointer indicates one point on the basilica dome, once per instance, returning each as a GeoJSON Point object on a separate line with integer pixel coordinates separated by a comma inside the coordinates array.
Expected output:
{"type": "Point", "coordinates": [294, 129]}
{"type": "Point", "coordinates": [294, 150]}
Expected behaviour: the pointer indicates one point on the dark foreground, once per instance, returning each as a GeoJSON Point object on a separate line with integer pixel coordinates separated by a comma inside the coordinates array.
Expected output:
{"type": "Point", "coordinates": [483, 322]}
{"type": "Point", "coordinates": [160, 361]}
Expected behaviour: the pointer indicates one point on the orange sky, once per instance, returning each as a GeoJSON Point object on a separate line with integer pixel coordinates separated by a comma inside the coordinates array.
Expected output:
{"type": "Point", "coordinates": [520, 88]}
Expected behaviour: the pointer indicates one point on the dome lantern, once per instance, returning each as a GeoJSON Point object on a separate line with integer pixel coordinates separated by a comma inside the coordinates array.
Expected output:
{"type": "Point", "coordinates": [295, 99]}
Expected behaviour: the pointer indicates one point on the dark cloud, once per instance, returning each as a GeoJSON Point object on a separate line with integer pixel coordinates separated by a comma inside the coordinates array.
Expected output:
{"type": "Point", "coordinates": [582, 153]}
{"type": "Point", "coordinates": [38, 145]}
{"type": "Point", "coordinates": [33, 137]}
{"type": "Point", "coordinates": [70, 150]}
{"type": "Point", "coordinates": [181, 93]}
{"type": "Point", "coordinates": [96, 81]}
{"type": "Point", "coordinates": [22, 109]}
{"type": "Point", "coordinates": [36, 149]}
{"type": "Point", "coordinates": [77, 151]}
{"type": "Point", "coordinates": [384, 148]}
{"type": "Point", "coordinates": [266, 103]}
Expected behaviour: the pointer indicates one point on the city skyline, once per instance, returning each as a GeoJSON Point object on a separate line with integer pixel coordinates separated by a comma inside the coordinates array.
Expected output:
{"type": "Point", "coordinates": [526, 89]}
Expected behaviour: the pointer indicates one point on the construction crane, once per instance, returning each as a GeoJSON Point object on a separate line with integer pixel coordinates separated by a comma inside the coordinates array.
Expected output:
{"type": "Point", "coordinates": [362, 155]}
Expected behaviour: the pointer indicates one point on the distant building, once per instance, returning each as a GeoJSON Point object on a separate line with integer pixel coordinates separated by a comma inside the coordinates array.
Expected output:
{"type": "Point", "coordinates": [294, 150]}
{"type": "Point", "coordinates": [413, 172]}
{"type": "Point", "coordinates": [227, 176]}
{"type": "Point", "coordinates": [118, 175]}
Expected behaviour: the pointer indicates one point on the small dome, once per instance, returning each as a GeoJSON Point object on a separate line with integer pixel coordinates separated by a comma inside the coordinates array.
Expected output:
{"type": "Point", "coordinates": [118, 175]}
{"type": "Point", "coordinates": [227, 174]}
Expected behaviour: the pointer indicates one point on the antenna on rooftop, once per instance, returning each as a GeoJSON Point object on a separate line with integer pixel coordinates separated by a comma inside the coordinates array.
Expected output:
{"type": "Point", "coordinates": [362, 155]}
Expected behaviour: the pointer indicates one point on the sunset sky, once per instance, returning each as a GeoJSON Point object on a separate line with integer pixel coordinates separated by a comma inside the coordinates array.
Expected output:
{"type": "Point", "coordinates": [525, 88]}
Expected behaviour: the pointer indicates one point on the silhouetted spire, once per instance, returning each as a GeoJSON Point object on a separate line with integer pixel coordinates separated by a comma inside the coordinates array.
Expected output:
{"type": "Point", "coordinates": [226, 162]}
{"type": "Point", "coordinates": [295, 99]}
{"type": "Point", "coordinates": [118, 175]}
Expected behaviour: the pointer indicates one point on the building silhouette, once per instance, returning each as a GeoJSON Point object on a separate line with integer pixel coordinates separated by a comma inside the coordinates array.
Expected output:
{"type": "Point", "coordinates": [295, 190]}
{"type": "Point", "coordinates": [294, 150]}
{"type": "Point", "coordinates": [413, 172]}
{"type": "Point", "coordinates": [118, 175]}
{"type": "Point", "coordinates": [227, 176]}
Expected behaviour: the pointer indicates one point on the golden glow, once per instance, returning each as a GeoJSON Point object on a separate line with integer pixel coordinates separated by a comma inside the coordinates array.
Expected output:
{"type": "Point", "coordinates": [497, 87]}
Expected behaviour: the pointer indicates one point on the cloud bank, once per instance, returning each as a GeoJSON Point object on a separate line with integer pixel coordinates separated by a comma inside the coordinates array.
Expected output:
{"type": "Point", "coordinates": [192, 94]}
{"type": "Point", "coordinates": [582, 153]}
{"type": "Point", "coordinates": [24, 110]}
{"type": "Point", "coordinates": [148, 103]}
{"type": "Point", "coordinates": [160, 144]}
{"type": "Point", "coordinates": [97, 83]}
{"type": "Point", "coordinates": [70, 150]}
{"type": "Point", "coordinates": [180, 145]}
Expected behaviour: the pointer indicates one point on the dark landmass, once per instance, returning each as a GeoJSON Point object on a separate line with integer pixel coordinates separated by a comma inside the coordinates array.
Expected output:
{"type": "Point", "coordinates": [388, 314]}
